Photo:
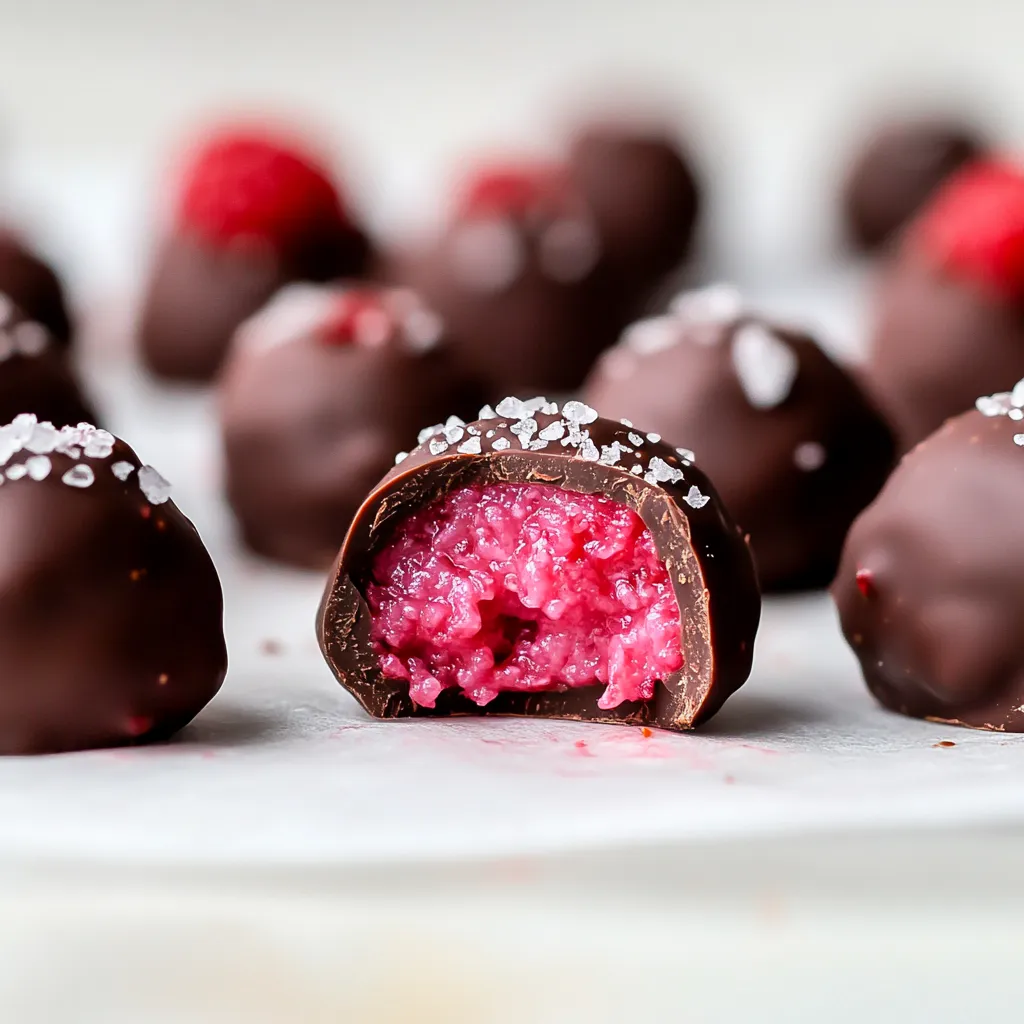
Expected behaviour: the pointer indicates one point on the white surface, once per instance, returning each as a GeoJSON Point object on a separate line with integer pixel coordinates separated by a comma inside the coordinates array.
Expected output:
{"type": "Point", "coordinates": [283, 768]}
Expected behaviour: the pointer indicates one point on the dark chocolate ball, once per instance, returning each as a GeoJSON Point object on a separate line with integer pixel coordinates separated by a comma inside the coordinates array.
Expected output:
{"type": "Point", "coordinates": [794, 447]}
{"type": "Point", "coordinates": [110, 607]}
{"type": "Point", "coordinates": [520, 279]}
{"type": "Point", "coordinates": [949, 312]}
{"type": "Point", "coordinates": [542, 561]}
{"type": "Point", "coordinates": [34, 286]}
{"type": "Point", "coordinates": [896, 172]}
{"type": "Point", "coordinates": [644, 196]}
{"type": "Point", "coordinates": [254, 212]}
{"type": "Point", "coordinates": [321, 390]}
{"type": "Point", "coordinates": [930, 590]}
{"type": "Point", "coordinates": [35, 373]}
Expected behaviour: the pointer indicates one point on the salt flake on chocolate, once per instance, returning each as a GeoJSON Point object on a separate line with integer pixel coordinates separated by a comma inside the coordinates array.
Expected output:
{"type": "Point", "coordinates": [1018, 439]}
{"type": "Point", "coordinates": [995, 405]}
{"type": "Point", "coordinates": [428, 432]}
{"type": "Point", "coordinates": [156, 489]}
{"type": "Point", "coordinates": [79, 476]}
{"type": "Point", "coordinates": [1017, 394]}
{"type": "Point", "coordinates": [401, 457]}
{"type": "Point", "coordinates": [38, 467]}
{"type": "Point", "coordinates": [765, 366]}
{"type": "Point", "coordinates": [437, 446]}
{"type": "Point", "coordinates": [588, 451]}
{"type": "Point", "coordinates": [499, 444]}
{"type": "Point", "coordinates": [635, 439]}
{"type": "Point", "coordinates": [686, 455]}
{"type": "Point", "coordinates": [44, 439]}
{"type": "Point", "coordinates": [553, 431]}
{"type": "Point", "coordinates": [471, 446]}
{"type": "Point", "coordinates": [17, 472]}
{"type": "Point", "coordinates": [578, 412]}
{"type": "Point", "coordinates": [695, 499]}
{"type": "Point", "coordinates": [625, 422]}
{"type": "Point", "coordinates": [98, 444]}
{"type": "Point", "coordinates": [715, 304]}
{"type": "Point", "coordinates": [487, 413]}
{"type": "Point", "coordinates": [660, 472]}
{"type": "Point", "coordinates": [513, 408]}
{"type": "Point", "coordinates": [122, 470]}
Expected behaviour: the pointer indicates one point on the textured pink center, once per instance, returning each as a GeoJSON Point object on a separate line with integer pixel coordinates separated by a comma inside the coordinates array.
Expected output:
{"type": "Point", "coordinates": [515, 587]}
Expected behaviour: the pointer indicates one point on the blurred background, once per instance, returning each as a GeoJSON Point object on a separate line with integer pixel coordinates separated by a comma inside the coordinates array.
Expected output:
{"type": "Point", "coordinates": [774, 95]}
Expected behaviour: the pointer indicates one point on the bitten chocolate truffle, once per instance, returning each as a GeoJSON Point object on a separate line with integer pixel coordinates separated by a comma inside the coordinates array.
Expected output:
{"type": "Point", "coordinates": [542, 561]}
{"type": "Point", "coordinates": [320, 391]}
{"type": "Point", "coordinates": [110, 607]}
{"type": "Point", "coordinates": [520, 279]}
{"type": "Point", "coordinates": [896, 172]}
{"type": "Point", "coordinates": [931, 586]}
{"type": "Point", "coordinates": [644, 196]}
{"type": "Point", "coordinates": [794, 447]}
{"type": "Point", "coordinates": [949, 315]}
{"type": "Point", "coordinates": [253, 213]}
{"type": "Point", "coordinates": [33, 286]}
{"type": "Point", "coordinates": [35, 374]}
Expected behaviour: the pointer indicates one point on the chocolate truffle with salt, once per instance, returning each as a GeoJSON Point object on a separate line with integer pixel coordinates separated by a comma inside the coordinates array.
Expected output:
{"type": "Point", "coordinates": [321, 389]}
{"type": "Point", "coordinates": [950, 308]}
{"type": "Point", "coordinates": [520, 279]}
{"type": "Point", "coordinates": [541, 561]}
{"type": "Point", "coordinates": [897, 171]}
{"type": "Point", "coordinates": [254, 212]}
{"type": "Point", "coordinates": [794, 447]}
{"type": "Point", "coordinates": [35, 371]}
{"type": "Point", "coordinates": [110, 607]}
{"type": "Point", "coordinates": [931, 586]}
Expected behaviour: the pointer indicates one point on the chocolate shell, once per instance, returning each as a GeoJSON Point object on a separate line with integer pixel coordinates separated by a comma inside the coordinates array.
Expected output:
{"type": "Point", "coordinates": [709, 563]}
{"type": "Point", "coordinates": [930, 590]}
{"type": "Point", "coordinates": [34, 286]}
{"type": "Point", "coordinates": [310, 420]}
{"type": "Point", "coordinates": [110, 607]}
{"type": "Point", "coordinates": [795, 448]}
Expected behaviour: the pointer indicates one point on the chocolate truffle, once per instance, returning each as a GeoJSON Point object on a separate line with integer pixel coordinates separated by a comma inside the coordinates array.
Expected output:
{"type": "Point", "coordinates": [253, 213]}
{"type": "Point", "coordinates": [949, 314]}
{"type": "Point", "coordinates": [35, 374]}
{"type": "Point", "coordinates": [519, 279]}
{"type": "Point", "coordinates": [930, 590]}
{"type": "Point", "coordinates": [541, 561]}
{"type": "Point", "coordinates": [896, 172]}
{"type": "Point", "coordinates": [110, 607]}
{"type": "Point", "coordinates": [644, 197]}
{"type": "Point", "coordinates": [794, 447]}
{"type": "Point", "coordinates": [320, 391]}
{"type": "Point", "coordinates": [33, 285]}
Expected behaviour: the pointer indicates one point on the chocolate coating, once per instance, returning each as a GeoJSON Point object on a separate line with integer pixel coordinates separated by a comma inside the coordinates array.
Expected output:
{"type": "Point", "coordinates": [930, 590]}
{"type": "Point", "coordinates": [938, 343]}
{"type": "Point", "coordinates": [35, 373]}
{"type": "Point", "coordinates": [34, 286]}
{"type": "Point", "coordinates": [110, 607]}
{"type": "Point", "coordinates": [644, 196]}
{"type": "Point", "coordinates": [896, 172]}
{"type": "Point", "coordinates": [527, 296]}
{"type": "Point", "coordinates": [794, 447]}
{"type": "Point", "coordinates": [708, 560]}
{"type": "Point", "coordinates": [310, 423]}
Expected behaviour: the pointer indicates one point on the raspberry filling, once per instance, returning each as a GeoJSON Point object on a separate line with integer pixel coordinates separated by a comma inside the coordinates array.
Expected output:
{"type": "Point", "coordinates": [527, 588]}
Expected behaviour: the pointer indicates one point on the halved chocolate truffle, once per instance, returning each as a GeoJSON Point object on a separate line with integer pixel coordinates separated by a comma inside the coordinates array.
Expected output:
{"type": "Point", "coordinates": [321, 388]}
{"type": "Point", "coordinates": [794, 447]}
{"type": "Point", "coordinates": [110, 607]}
{"type": "Point", "coordinates": [254, 212]}
{"type": "Point", "coordinates": [520, 279]}
{"type": "Point", "coordinates": [35, 372]}
{"type": "Point", "coordinates": [950, 309]}
{"type": "Point", "coordinates": [542, 561]}
{"type": "Point", "coordinates": [896, 172]}
{"type": "Point", "coordinates": [930, 590]}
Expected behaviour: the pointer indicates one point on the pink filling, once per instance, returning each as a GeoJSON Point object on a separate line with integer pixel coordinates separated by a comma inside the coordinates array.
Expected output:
{"type": "Point", "coordinates": [515, 587]}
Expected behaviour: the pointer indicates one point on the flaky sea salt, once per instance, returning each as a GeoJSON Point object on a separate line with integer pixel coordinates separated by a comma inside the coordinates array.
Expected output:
{"type": "Point", "coordinates": [766, 367]}
{"type": "Point", "coordinates": [79, 476]}
{"type": "Point", "coordinates": [156, 489]}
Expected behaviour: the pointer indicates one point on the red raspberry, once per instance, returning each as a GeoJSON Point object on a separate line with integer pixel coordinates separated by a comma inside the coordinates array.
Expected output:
{"type": "Point", "coordinates": [974, 228]}
{"type": "Point", "coordinates": [250, 185]}
{"type": "Point", "coordinates": [360, 315]}
{"type": "Point", "coordinates": [512, 190]}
